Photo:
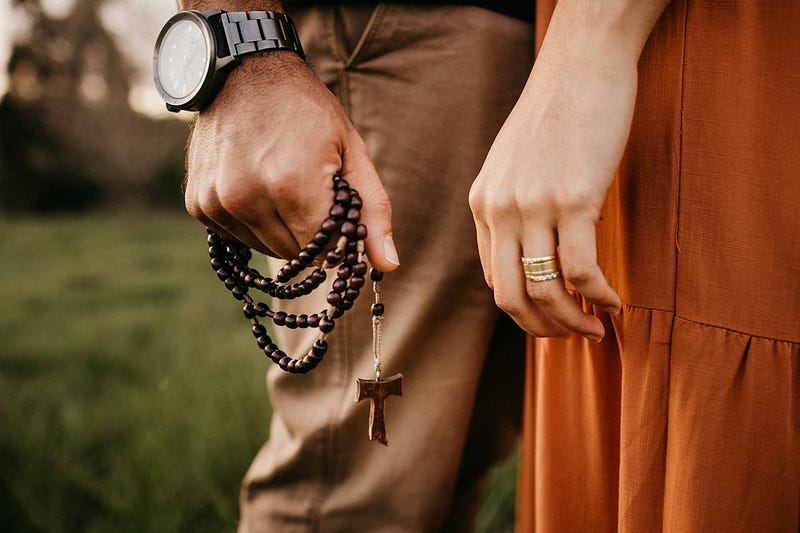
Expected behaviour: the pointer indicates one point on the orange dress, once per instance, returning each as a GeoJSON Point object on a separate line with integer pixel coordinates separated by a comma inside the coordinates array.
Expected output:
{"type": "Point", "coordinates": [687, 416]}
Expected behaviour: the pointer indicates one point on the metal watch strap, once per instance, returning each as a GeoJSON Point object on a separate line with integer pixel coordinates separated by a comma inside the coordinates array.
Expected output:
{"type": "Point", "coordinates": [254, 31]}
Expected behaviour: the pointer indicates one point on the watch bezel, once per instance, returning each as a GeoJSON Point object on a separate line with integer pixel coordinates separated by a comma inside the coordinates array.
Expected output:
{"type": "Point", "coordinates": [193, 100]}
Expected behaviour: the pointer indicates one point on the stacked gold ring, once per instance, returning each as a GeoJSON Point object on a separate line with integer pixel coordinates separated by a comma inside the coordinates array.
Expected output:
{"type": "Point", "coordinates": [541, 268]}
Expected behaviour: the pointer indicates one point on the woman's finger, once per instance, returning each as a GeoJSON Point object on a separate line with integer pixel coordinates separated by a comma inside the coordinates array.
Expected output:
{"type": "Point", "coordinates": [538, 242]}
{"type": "Point", "coordinates": [577, 252]}
{"type": "Point", "coordinates": [509, 288]}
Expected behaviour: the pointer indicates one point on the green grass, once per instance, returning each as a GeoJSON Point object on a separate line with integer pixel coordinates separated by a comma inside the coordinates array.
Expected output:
{"type": "Point", "coordinates": [132, 397]}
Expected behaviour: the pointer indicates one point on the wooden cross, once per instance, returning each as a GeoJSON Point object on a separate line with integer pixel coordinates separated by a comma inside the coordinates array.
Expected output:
{"type": "Point", "coordinates": [376, 391]}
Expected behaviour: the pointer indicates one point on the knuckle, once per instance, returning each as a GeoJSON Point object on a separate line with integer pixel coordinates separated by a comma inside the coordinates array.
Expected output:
{"type": "Point", "coordinates": [542, 294]}
{"type": "Point", "coordinates": [579, 274]}
{"type": "Point", "coordinates": [506, 302]}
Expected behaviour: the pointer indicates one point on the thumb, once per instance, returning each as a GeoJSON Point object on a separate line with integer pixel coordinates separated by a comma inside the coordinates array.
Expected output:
{"type": "Point", "coordinates": [376, 212]}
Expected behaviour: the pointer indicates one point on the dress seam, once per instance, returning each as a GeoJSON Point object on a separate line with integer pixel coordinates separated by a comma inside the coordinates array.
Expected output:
{"type": "Point", "coordinates": [677, 316]}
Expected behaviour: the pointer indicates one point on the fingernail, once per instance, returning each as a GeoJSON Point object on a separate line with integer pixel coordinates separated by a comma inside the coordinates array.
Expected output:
{"type": "Point", "coordinates": [594, 338]}
{"type": "Point", "coordinates": [612, 309]}
{"type": "Point", "coordinates": [389, 251]}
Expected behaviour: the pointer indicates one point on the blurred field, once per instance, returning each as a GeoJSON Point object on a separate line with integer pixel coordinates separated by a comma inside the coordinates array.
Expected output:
{"type": "Point", "coordinates": [132, 397]}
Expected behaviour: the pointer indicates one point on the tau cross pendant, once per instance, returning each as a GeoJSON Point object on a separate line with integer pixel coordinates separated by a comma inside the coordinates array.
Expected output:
{"type": "Point", "coordinates": [376, 391]}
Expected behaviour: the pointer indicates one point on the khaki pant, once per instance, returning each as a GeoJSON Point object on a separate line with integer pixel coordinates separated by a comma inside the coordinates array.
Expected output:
{"type": "Point", "coordinates": [428, 88]}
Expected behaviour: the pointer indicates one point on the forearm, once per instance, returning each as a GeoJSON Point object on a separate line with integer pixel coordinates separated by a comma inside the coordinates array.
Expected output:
{"type": "Point", "coordinates": [612, 29]}
{"type": "Point", "coordinates": [232, 5]}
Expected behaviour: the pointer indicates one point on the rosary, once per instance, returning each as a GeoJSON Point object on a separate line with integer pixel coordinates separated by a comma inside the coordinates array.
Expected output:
{"type": "Point", "coordinates": [229, 259]}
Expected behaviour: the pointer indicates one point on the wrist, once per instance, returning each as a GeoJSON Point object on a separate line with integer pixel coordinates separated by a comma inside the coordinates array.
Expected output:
{"type": "Point", "coordinates": [613, 32]}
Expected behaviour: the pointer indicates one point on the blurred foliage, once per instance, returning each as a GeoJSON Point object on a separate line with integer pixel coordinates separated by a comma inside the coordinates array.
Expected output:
{"type": "Point", "coordinates": [68, 138]}
{"type": "Point", "coordinates": [131, 396]}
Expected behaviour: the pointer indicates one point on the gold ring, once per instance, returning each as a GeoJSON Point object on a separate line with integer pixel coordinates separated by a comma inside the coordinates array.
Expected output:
{"type": "Point", "coordinates": [541, 268]}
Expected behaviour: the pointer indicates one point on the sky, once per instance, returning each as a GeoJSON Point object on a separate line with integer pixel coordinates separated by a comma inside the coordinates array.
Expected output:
{"type": "Point", "coordinates": [134, 40]}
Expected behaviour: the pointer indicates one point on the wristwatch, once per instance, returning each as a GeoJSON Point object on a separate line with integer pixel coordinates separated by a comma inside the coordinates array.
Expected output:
{"type": "Point", "coordinates": [196, 49]}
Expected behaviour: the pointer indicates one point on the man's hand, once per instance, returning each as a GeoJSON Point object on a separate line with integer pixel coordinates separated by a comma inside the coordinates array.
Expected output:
{"type": "Point", "coordinates": [261, 158]}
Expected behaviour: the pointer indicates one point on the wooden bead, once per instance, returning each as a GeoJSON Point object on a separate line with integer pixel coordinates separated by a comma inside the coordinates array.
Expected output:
{"type": "Point", "coordinates": [361, 232]}
{"type": "Point", "coordinates": [337, 212]}
{"type": "Point", "coordinates": [353, 215]}
{"type": "Point", "coordinates": [377, 309]}
{"type": "Point", "coordinates": [290, 321]}
{"type": "Point", "coordinates": [319, 348]}
{"type": "Point", "coordinates": [328, 227]}
{"type": "Point", "coordinates": [356, 282]}
{"type": "Point", "coordinates": [259, 330]}
{"type": "Point", "coordinates": [348, 229]}
{"type": "Point", "coordinates": [326, 324]}
{"type": "Point", "coordinates": [334, 298]}
{"type": "Point", "coordinates": [302, 321]}
{"type": "Point", "coordinates": [375, 274]}
{"type": "Point", "coordinates": [360, 269]}
{"type": "Point", "coordinates": [313, 320]}
{"type": "Point", "coordinates": [279, 318]}
{"type": "Point", "coordinates": [342, 198]}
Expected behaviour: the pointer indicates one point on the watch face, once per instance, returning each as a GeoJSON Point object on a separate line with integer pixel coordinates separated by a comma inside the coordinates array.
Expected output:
{"type": "Point", "coordinates": [183, 58]}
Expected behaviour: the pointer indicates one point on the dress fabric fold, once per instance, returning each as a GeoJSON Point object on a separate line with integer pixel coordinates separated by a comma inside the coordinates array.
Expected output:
{"type": "Point", "coordinates": [687, 416]}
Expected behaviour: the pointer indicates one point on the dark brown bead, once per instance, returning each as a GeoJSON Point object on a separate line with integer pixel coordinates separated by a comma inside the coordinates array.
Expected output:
{"type": "Point", "coordinates": [328, 227]}
{"type": "Point", "coordinates": [343, 272]}
{"type": "Point", "coordinates": [305, 257]}
{"type": "Point", "coordinates": [375, 274]}
{"type": "Point", "coordinates": [348, 229]}
{"type": "Point", "coordinates": [302, 321]}
{"type": "Point", "coordinates": [353, 215]}
{"type": "Point", "coordinates": [350, 258]}
{"type": "Point", "coordinates": [296, 266]}
{"type": "Point", "coordinates": [361, 232]}
{"type": "Point", "coordinates": [356, 282]}
{"type": "Point", "coordinates": [338, 312]}
{"type": "Point", "coordinates": [333, 257]}
{"type": "Point", "coordinates": [284, 362]}
{"type": "Point", "coordinates": [318, 276]}
{"type": "Point", "coordinates": [355, 200]}
{"type": "Point", "coordinates": [213, 238]}
{"type": "Point", "coordinates": [291, 321]}
{"type": "Point", "coordinates": [217, 251]}
{"type": "Point", "coordinates": [337, 212]}
{"type": "Point", "coordinates": [259, 330]}
{"type": "Point", "coordinates": [344, 305]}
{"type": "Point", "coordinates": [341, 184]}
{"type": "Point", "coordinates": [249, 311]}
{"type": "Point", "coordinates": [334, 298]}
{"type": "Point", "coordinates": [313, 249]}
{"type": "Point", "coordinates": [223, 273]}
{"type": "Point", "coordinates": [231, 283]}
{"type": "Point", "coordinates": [313, 320]}
{"type": "Point", "coordinates": [263, 341]}
{"type": "Point", "coordinates": [339, 285]}
{"type": "Point", "coordinates": [271, 348]}
{"type": "Point", "coordinates": [377, 309]}
{"type": "Point", "coordinates": [261, 309]}
{"type": "Point", "coordinates": [217, 263]}
{"type": "Point", "coordinates": [311, 361]}
{"type": "Point", "coordinates": [239, 292]}
{"type": "Point", "coordinates": [283, 275]}
{"type": "Point", "coordinates": [301, 366]}
{"type": "Point", "coordinates": [342, 198]}
{"type": "Point", "coordinates": [319, 348]}
{"type": "Point", "coordinates": [326, 324]}
{"type": "Point", "coordinates": [320, 239]}
{"type": "Point", "coordinates": [360, 269]}
{"type": "Point", "coordinates": [351, 294]}
{"type": "Point", "coordinates": [279, 318]}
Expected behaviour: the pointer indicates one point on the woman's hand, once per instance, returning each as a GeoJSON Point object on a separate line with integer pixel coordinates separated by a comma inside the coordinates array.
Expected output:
{"type": "Point", "coordinates": [545, 179]}
{"type": "Point", "coordinates": [261, 158]}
